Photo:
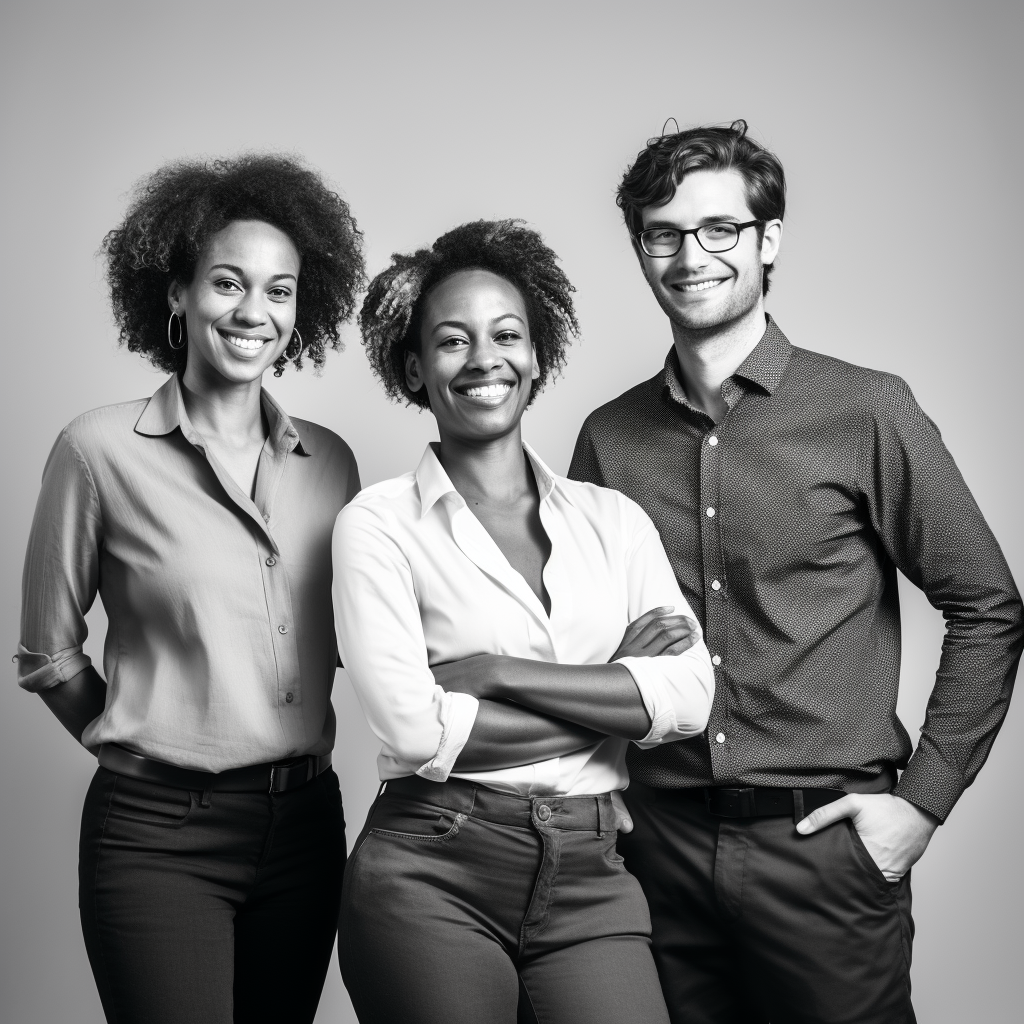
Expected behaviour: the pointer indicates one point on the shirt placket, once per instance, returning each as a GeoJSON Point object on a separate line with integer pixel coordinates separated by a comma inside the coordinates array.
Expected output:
{"type": "Point", "coordinates": [716, 590]}
{"type": "Point", "coordinates": [276, 588]}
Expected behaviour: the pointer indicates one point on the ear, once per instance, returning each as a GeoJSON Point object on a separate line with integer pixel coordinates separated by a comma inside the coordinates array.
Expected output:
{"type": "Point", "coordinates": [413, 377]}
{"type": "Point", "coordinates": [176, 298]}
{"type": "Point", "coordinates": [535, 373]}
{"type": "Point", "coordinates": [771, 241]}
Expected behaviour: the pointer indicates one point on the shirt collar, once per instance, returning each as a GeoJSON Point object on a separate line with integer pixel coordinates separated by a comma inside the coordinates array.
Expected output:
{"type": "Point", "coordinates": [765, 366]}
{"type": "Point", "coordinates": [165, 412]}
{"type": "Point", "coordinates": [434, 483]}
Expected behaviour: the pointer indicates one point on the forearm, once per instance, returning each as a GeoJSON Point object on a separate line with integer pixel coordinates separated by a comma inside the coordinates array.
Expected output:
{"type": "Point", "coordinates": [506, 735]}
{"type": "Point", "coordinates": [77, 702]}
{"type": "Point", "coordinates": [604, 698]}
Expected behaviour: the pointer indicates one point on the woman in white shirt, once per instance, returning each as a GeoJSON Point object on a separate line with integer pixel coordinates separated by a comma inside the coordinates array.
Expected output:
{"type": "Point", "coordinates": [508, 632]}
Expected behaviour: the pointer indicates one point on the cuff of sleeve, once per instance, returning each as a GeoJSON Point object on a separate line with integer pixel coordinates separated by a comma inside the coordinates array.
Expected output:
{"type": "Point", "coordinates": [458, 715]}
{"type": "Point", "coordinates": [930, 783]}
{"type": "Point", "coordinates": [649, 682]}
{"type": "Point", "coordinates": [41, 672]}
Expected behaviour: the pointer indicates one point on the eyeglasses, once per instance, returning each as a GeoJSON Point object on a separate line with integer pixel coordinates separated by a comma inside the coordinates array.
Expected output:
{"type": "Point", "coordinates": [720, 237]}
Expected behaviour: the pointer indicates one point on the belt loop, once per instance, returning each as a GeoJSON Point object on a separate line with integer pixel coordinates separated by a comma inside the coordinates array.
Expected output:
{"type": "Point", "coordinates": [273, 774]}
{"type": "Point", "coordinates": [600, 831]}
{"type": "Point", "coordinates": [310, 769]}
{"type": "Point", "coordinates": [205, 800]}
{"type": "Point", "coordinates": [798, 806]}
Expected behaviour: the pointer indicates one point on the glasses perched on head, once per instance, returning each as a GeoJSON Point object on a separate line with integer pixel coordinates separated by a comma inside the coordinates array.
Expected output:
{"type": "Point", "coordinates": [719, 237]}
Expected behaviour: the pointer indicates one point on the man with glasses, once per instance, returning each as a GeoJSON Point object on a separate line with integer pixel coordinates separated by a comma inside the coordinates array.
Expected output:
{"type": "Point", "coordinates": [788, 488]}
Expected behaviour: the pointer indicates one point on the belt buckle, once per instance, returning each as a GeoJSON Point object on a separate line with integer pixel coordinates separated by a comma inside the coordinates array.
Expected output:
{"type": "Point", "coordinates": [747, 804]}
{"type": "Point", "coordinates": [281, 774]}
{"type": "Point", "coordinates": [732, 801]}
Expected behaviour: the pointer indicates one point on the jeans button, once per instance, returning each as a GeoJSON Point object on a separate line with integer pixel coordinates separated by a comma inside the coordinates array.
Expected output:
{"type": "Point", "coordinates": [543, 812]}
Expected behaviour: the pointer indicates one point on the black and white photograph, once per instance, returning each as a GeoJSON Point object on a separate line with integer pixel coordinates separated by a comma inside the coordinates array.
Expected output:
{"type": "Point", "coordinates": [512, 512]}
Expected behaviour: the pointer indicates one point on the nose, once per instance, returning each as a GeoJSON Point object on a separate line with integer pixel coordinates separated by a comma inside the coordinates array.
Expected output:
{"type": "Point", "coordinates": [692, 255]}
{"type": "Point", "coordinates": [251, 308]}
{"type": "Point", "coordinates": [484, 355]}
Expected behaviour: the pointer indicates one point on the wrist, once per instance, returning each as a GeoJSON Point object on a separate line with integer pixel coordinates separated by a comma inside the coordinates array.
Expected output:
{"type": "Point", "coordinates": [926, 819]}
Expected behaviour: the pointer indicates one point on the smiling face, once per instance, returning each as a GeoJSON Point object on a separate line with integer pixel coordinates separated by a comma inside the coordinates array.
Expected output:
{"type": "Point", "coordinates": [699, 290]}
{"type": "Point", "coordinates": [239, 308]}
{"type": "Point", "coordinates": [476, 359]}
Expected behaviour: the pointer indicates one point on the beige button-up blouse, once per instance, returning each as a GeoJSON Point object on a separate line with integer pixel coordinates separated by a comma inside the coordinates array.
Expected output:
{"type": "Point", "coordinates": [220, 648]}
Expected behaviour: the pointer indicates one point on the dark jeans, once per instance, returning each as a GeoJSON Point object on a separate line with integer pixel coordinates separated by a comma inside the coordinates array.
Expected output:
{"type": "Point", "coordinates": [208, 915]}
{"type": "Point", "coordinates": [457, 898]}
{"type": "Point", "coordinates": [755, 923]}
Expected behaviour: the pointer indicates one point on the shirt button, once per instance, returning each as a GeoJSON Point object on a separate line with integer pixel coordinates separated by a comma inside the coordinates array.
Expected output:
{"type": "Point", "coordinates": [715, 585]}
{"type": "Point", "coordinates": [715, 659]}
{"type": "Point", "coordinates": [282, 629]}
{"type": "Point", "coordinates": [720, 738]}
{"type": "Point", "coordinates": [543, 812]}
{"type": "Point", "coordinates": [266, 517]}
{"type": "Point", "coordinates": [713, 440]}
{"type": "Point", "coordinates": [271, 560]}
{"type": "Point", "coordinates": [711, 513]}
{"type": "Point", "coordinates": [289, 697]}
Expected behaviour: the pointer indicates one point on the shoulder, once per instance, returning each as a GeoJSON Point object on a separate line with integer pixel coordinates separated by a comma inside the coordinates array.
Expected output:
{"type": "Point", "coordinates": [605, 507]}
{"type": "Point", "coordinates": [102, 430]}
{"type": "Point", "coordinates": [387, 501]}
{"type": "Point", "coordinates": [629, 407]}
{"type": "Point", "coordinates": [873, 390]}
{"type": "Point", "coordinates": [322, 442]}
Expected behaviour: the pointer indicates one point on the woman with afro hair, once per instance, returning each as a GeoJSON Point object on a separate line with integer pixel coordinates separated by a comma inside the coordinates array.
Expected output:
{"type": "Point", "coordinates": [212, 842]}
{"type": "Point", "coordinates": [508, 632]}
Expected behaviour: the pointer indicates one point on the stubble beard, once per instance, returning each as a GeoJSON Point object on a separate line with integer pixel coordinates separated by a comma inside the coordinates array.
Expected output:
{"type": "Point", "coordinates": [701, 320]}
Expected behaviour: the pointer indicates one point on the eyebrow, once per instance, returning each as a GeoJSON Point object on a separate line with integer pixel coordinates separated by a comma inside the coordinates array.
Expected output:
{"type": "Point", "coordinates": [717, 218]}
{"type": "Point", "coordinates": [460, 324]}
{"type": "Point", "coordinates": [241, 273]}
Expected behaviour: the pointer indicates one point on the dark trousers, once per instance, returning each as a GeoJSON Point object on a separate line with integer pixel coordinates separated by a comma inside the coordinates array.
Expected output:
{"type": "Point", "coordinates": [754, 923]}
{"type": "Point", "coordinates": [458, 898]}
{"type": "Point", "coordinates": [208, 915]}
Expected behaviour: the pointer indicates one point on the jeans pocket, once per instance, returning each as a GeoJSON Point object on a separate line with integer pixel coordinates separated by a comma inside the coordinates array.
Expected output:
{"type": "Point", "coordinates": [420, 823]}
{"type": "Point", "coordinates": [148, 803]}
{"type": "Point", "coordinates": [611, 851]}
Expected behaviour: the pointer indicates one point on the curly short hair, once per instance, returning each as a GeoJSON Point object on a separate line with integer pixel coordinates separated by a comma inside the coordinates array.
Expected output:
{"type": "Point", "coordinates": [391, 314]}
{"type": "Point", "coordinates": [175, 211]}
{"type": "Point", "coordinates": [662, 165]}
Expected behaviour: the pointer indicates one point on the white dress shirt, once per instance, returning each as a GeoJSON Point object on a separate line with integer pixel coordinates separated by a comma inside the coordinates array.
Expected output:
{"type": "Point", "coordinates": [418, 581]}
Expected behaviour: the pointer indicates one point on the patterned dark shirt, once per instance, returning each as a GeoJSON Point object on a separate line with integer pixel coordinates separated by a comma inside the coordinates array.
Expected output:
{"type": "Point", "coordinates": [785, 525]}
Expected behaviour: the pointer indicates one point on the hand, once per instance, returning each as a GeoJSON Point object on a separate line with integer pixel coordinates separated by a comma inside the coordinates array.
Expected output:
{"type": "Point", "coordinates": [623, 822]}
{"type": "Point", "coordinates": [657, 632]}
{"type": "Point", "coordinates": [894, 831]}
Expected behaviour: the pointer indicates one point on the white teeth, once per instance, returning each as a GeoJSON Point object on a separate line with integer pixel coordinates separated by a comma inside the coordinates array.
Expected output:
{"type": "Point", "coordinates": [700, 286]}
{"type": "Point", "coordinates": [489, 391]}
{"type": "Point", "coordinates": [248, 344]}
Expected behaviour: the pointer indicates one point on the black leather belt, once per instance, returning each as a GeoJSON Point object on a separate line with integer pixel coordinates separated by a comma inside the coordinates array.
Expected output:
{"type": "Point", "coordinates": [278, 777]}
{"type": "Point", "coordinates": [762, 801]}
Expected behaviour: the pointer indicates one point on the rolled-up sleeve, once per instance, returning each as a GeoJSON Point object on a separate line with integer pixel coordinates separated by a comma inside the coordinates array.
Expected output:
{"type": "Point", "coordinates": [380, 638]}
{"type": "Point", "coordinates": [677, 690]}
{"type": "Point", "coordinates": [61, 571]}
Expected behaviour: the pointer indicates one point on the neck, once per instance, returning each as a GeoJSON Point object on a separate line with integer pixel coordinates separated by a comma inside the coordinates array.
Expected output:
{"type": "Point", "coordinates": [491, 471]}
{"type": "Point", "coordinates": [710, 356]}
{"type": "Point", "coordinates": [222, 409]}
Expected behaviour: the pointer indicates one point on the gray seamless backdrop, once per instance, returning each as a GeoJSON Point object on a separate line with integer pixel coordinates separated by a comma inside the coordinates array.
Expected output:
{"type": "Point", "coordinates": [899, 129]}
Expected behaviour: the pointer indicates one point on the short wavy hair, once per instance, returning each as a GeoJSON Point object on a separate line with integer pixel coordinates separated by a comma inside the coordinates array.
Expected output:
{"type": "Point", "coordinates": [174, 212]}
{"type": "Point", "coordinates": [661, 166]}
{"type": "Point", "coordinates": [392, 310]}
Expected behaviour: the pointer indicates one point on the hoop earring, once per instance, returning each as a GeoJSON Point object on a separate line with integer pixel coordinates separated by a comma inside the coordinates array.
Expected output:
{"type": "Point", "coordinates": [181, 333]}
{"type": "Point", "coordinates": [295, 334]}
